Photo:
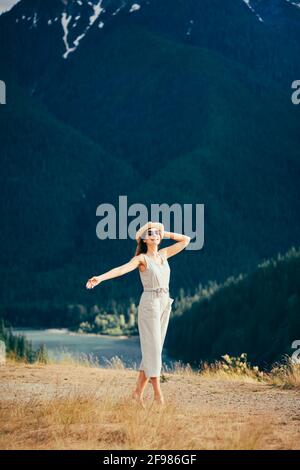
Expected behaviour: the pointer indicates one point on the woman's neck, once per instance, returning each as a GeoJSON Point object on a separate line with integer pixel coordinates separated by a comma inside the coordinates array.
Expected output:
{"type": "Point", "coordinates": [152, 252]}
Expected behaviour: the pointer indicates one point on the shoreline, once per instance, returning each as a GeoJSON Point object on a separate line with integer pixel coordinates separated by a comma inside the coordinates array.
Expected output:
{"type": "Point", "coordinates": [66, 331]}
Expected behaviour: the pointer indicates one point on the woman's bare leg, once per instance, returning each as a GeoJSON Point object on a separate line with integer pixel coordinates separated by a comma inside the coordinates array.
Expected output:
{"type": "Point", "coordinates": [158, 396]}
{"type": "Point", "coordinates": [140, 387]}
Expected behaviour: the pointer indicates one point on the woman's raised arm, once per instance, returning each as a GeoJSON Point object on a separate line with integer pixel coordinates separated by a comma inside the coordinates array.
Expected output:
{"type": "Point", "coordinates": [182, 242]}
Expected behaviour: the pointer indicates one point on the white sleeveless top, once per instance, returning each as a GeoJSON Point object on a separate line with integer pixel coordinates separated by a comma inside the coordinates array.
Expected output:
{"type": "Point", "coordinates": [155, 275]}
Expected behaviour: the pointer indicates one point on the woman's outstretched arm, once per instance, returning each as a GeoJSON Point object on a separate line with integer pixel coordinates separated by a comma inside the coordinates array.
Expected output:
{"type": "Point", "coordinates": [115, 272]}
{"type": "Point", "coordinates": [182, 242]}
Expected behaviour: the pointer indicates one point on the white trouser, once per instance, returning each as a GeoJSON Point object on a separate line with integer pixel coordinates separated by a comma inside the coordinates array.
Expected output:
{"type": "Point", "coordinates": [153, 319]}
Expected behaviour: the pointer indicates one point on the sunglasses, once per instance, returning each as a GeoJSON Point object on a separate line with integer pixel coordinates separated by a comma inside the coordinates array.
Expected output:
{"type": "Point", "coordinates": [153, 232]}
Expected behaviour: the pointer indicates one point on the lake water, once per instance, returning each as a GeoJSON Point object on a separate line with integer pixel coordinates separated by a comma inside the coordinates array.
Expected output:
{"type": "Point", "coordinates": [61, 343]}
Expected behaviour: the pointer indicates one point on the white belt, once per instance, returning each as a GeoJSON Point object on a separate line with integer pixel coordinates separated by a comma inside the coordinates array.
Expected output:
{"type": "Point", "coordinates": [158, 290]}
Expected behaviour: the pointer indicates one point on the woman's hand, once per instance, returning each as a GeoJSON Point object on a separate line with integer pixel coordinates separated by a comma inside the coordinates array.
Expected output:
{"type": "Point", "coordinates": [93, 281]}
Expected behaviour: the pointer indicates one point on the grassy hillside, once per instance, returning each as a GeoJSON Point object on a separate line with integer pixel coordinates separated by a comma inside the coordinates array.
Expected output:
{"type": "Point", "coordinates": [257, 314]}
{"type": "Point", "coordinates": [50, 176]}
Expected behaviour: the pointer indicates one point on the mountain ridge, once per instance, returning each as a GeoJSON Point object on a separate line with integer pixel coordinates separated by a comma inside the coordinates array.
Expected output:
{"type": "Point", "coordinates": [155, 118]}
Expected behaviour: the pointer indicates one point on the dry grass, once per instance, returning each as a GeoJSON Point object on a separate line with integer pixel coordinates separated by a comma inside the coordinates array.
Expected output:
{"type": "Point", "coordinates": [285, 375]}
{"type": "Point", "coordinates": [68, 358]}
{"type": "Point", "coordinates": [87, 360]}
{"type": "Point", "coordinates": [81, 421]}
{"type": "Point", "coordinates": [184, 370]}
{"type": "Point", "coordinates": [231, 369]}
{"type": "Point", "coordinates": [82, 408]}
{"type": "Point", "coordinates": [217, 371]}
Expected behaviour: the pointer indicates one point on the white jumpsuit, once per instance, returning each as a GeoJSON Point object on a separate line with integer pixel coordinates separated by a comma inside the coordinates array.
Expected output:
{"type": "Point", "coordinates": [153, 314]}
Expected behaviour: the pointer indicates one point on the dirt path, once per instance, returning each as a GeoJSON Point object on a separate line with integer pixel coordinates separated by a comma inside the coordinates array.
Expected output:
{"type": "Point", "coordinates": [210, 397]}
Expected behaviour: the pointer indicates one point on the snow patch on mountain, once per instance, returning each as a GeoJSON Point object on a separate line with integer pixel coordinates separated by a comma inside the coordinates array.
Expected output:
{"type": "Point", "coordinates": [65, 21]}
{"type": "Point", "coordinates": [78, 16]}
{"type": "Point", "coordinates": [35, 20]}
{"type": "Point", "coordinates": [134, 7]}
{"type": "Point", "coordinates": [97, 11]}
{"type": "Point", "coordinates": [70, 17]}
{"type": "Point", "coordinates": [188, 33]}
{"type": "Point", "coordinates": [247, 2]}
{"type": "Point", "coordinates": [296, 4]}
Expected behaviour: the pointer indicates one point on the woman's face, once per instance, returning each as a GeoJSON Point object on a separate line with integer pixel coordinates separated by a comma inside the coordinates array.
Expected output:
{"type": "Point", "coordinates": [152, 237]}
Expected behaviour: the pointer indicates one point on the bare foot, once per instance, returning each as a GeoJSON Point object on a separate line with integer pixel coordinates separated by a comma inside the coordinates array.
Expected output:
{"type": "Point", "coordinates": [138, 398]}
{"type": "Point", "coordinates": [159, 399]}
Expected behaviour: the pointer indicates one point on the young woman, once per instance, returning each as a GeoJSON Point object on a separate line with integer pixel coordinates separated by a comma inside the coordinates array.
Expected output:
{"type": "Point", "coordinates": [155, 303]}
